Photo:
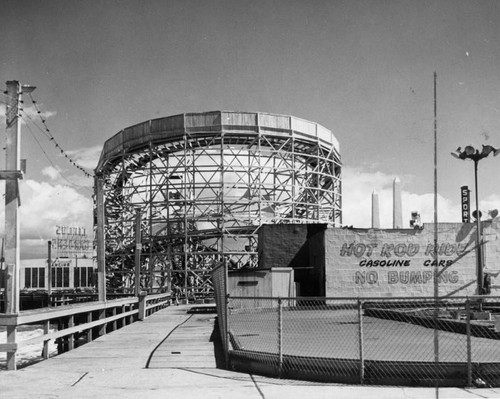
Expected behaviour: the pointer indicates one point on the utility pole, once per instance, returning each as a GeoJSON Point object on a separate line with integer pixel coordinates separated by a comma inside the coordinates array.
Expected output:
{"type": "Point", "coordinates": [49, 270]}
{"type": "Point", "coordinates": [138, 249]}
{"type": "Point", "coordinates": [436, 256]}
{"type": "Point", "coordinates": [100, 237]}
{"type": "Point", "coordinates": [11, 175]}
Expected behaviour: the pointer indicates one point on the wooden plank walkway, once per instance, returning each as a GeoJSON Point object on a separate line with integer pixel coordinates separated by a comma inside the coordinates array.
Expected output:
{"type": "Point", "coordinates": [141, 360]}
{"type": "Point", "coordinates": [138, 344]}
{"type": "Point", "coordinates": [116, 366]}
{"type": "Point", "coordinates": [190, 345]}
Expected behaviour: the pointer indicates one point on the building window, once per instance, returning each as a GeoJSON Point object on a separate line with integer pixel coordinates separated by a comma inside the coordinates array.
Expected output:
{"type": "Point", "coordinates": [60, 277]}
{"type": "Point", "coordinates": [83, 277]}
{"type": "Point", "coordinates": [34, 277]}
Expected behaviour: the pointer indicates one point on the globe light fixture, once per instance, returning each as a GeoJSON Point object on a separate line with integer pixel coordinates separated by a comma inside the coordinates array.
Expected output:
{"type": "Point", "coordinates": [475, 155]}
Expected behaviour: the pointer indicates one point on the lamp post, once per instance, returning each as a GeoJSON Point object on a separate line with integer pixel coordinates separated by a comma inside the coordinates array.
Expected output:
{"type": "Point", "coordinates": [470, 152]}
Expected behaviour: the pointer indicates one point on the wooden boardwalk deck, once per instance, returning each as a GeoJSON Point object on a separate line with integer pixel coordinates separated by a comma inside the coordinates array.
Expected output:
{"type": "Point", "coordinates": [190, 344]}
{"type": "Point", "coordinates": [153, 342]}
{"type": "Point", "coordinates": [171, 354]}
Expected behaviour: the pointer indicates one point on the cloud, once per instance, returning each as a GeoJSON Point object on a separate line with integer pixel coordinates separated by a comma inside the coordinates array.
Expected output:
{"type": "Point", "coordinates": [448, 211]}
{"type": "Point", "coordinates": [86, 157]}
{"type": "Point", "coordinates": [43, 207]}
{"type": "Point", "coordinates": [71, 177]}
{"type": "Point", "coordinates": [28, 114]}
{"type": "Point", "coordinates": [358, 186]}
{"type": "Point", "coordinates": [52, 172]}
{"type": "Point", "coordinates": [32, 114]}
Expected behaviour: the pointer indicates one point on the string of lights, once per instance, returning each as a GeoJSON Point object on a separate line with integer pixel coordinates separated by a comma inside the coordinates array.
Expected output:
{"type": "Point", "coordinates": [26, 116]}
{"type": "Point", "coordinates": [52, 138]}
{"type": "Point", "coordinates": [47, 156]}
{"type": "Point", "coordinates": [46, 131]}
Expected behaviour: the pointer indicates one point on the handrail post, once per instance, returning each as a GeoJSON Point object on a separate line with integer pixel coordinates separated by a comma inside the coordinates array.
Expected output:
{"type": "Point", "coordinates": [142, 306]}
{"type": "Point", "coordinates": [12, 354]}
{"type": "Point", "coordinates": [90, 337]}
{"type": "Point", "coordinates": [361, 343]}
{"type": "Point", "coordinates": [280, 336]}
{"type": "Point", "coordinates": [71, 337]}
{"type": "Point", "coordinates": [46, 330]}
{"type": "Point", "coordinates": [102, 327]}
{"type": "Point", "coordinates": [469, 346]}
{"type": "Point", "coordinates": [114, 323]}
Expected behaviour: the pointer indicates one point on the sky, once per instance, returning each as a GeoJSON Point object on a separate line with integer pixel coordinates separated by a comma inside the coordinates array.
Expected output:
{"type": "Point", "coordinates": [363, 69]}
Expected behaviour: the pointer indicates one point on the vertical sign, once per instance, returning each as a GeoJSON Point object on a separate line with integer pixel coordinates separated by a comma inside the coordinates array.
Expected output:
{"type": "Point", "coordinates": [465, 193]}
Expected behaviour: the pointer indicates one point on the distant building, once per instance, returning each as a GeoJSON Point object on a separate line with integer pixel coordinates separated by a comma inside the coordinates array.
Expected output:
{"type": "Point", "coordinates": [67, 274]}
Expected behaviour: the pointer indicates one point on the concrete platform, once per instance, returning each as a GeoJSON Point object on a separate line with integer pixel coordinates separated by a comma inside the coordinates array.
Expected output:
{"type": "Point", "coordinates": [116, 366]}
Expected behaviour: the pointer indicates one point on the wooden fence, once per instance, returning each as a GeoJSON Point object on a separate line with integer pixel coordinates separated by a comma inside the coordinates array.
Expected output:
{"type": "Point", "coordinates": [77, 322]}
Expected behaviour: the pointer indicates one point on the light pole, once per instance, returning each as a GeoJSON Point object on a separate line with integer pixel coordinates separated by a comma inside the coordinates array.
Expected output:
{"type": "Point", "coordinates": [470, 152]}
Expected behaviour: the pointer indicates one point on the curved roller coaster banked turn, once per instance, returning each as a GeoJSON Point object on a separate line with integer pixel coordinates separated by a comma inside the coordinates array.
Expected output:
{"type": "Point", "coordinates": [199, 185]}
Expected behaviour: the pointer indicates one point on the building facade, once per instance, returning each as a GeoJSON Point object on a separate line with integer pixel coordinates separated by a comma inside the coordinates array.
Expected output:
{"type": "Point", "coordinates": [67, 274]}
{"type": "Point", "coordinates": [341, 262]}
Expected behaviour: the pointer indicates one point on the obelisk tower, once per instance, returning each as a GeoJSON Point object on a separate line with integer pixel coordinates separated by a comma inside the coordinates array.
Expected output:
{"type": "Point", "coordinates": [375, 211]}
{"type": "Point", "coordinates": [397, 210]}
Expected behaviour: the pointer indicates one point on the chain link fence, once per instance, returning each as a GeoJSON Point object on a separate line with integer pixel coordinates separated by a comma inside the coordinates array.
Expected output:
{"type": "Point", "coordinates": [220, 288]}
{"type": "Point", "coordinates": [394, 341]}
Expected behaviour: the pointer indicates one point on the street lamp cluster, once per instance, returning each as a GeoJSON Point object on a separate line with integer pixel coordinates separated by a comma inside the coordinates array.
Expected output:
{"type": "Point", "coordinates": [470, 152]}
{"type": "Point", "coordinates": [475, 155]}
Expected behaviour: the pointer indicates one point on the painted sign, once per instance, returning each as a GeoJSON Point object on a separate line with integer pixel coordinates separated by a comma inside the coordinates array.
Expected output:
{"type": "Point", "coordinates": [72, 241]}
{"type": "Point", "coordinates": [403, 263]}
{"type": "Point", "coordinates": [406, 262]}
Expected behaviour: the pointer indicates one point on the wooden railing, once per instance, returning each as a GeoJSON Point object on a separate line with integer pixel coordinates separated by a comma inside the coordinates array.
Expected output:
{"type": "Point", "coordinates": [76, 321]}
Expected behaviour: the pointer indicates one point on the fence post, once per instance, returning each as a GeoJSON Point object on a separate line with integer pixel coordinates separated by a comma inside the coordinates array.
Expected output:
{"type": "Point", "coordinates": [469, 346]}
{"type": "Point", "coordinates": [361, 343]}
{"type": "Point", "coordinates": [280, 336]}
{"type": "Point", "coordinates": [226, 330]}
